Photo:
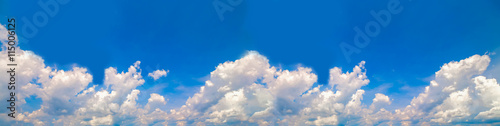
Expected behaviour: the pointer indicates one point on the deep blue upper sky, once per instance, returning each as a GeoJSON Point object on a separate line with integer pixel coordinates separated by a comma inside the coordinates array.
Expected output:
{"type": "Point", "coordinates": [189, 39]}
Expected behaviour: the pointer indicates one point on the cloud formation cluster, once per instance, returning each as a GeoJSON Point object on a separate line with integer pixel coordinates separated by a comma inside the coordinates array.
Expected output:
{"type": "Point", "coordinates": [69, 99]}
{"type": "Point", "coordinates": [250, 91]}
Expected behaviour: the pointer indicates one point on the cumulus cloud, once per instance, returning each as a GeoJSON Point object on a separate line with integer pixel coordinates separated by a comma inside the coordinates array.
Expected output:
{"type": "Point", "coordinates": [68, 99]}
{"type": "Point", "coordinates": [158, 73]}
{"type": "Point", "coordinates": [250, 91]}
{"type": "Point", "coordinates": [379, 101]}
{"type": "Point", "coordinates": [457, 95]}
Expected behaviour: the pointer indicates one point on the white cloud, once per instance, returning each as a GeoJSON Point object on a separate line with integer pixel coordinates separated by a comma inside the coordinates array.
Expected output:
{"type": "Point", "coordinates": [106, 120]}
{"type": "Point", "coordinates": [155, 101]}
{"type": "Point", "coordinates": [122, 83]}
{"type": "Point", "coordinates": [488, 90]}
{"type": "Point", "coordinates": [380, 101]}
{"type": "Point", "coordinates": [347, 83]}
{"type": "Point", "coordinates": [158, 73]}
{"type": "Point", "coordinates": [454, 108]}
{"type": "Point", "coordinates": [250, 90]}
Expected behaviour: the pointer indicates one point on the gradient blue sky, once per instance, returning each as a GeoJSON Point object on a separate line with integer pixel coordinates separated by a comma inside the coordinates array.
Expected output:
{"type": "Point", "coordinates": [189, 39]}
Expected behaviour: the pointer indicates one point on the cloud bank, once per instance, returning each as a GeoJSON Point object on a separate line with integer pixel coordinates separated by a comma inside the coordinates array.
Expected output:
{"type": "Point", "coordinates": [249, 91]}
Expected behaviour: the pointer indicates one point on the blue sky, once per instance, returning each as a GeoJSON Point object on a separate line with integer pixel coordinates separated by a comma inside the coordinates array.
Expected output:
{"type": "Point", "coordinates": [188, 39]}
